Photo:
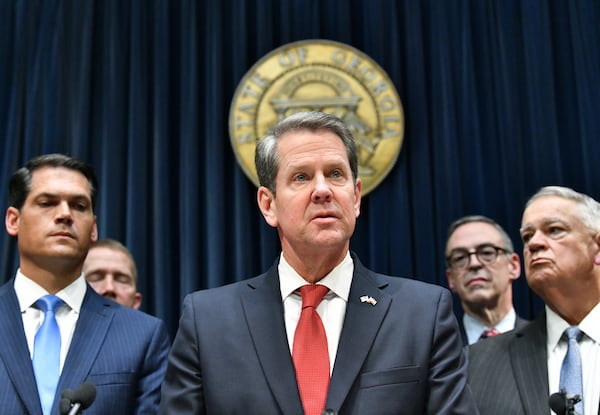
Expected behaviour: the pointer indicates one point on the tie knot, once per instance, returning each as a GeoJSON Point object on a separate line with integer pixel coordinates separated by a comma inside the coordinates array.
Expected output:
{"type": "Point", "coordinates": [573, 333]}
{"type": "Point", "coordinates": [312, 294]}
{"type": "Point", "coordinates": [49, 302]}
{"type": "Point", "coordinates": [489, 333]}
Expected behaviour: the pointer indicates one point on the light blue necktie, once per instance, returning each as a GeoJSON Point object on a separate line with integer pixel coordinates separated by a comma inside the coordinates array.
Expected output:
{"type": "Point", "coordinates": [570, 372]}
{"type": "Point", "coordinates": [46, 352]}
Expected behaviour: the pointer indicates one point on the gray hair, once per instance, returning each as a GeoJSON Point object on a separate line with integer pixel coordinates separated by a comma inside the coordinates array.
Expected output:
{"type": "Point", "coordinates": [266, 156]}
{"type": "Point", "coordinates": [588, 209]}
{"type": "Point", "coordinates": [508, 245]}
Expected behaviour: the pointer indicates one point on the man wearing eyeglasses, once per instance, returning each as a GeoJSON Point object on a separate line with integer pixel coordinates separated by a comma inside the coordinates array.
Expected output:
{"type": "Point", "coordinates": [480, 266]}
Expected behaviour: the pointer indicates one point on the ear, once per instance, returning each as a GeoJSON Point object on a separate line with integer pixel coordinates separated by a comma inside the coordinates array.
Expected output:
{"type": "Point", "coordinates": [94, 234]}
{"type": "Point", "coordinates": [450, 280]}
{"type": "Point", "coordinates": [514, 265]}
{"type": "Point", "coordinates": [11, 221]}
{"type": "Point", "coordinates": [137, 301]}
{"type": "Point", "coordinates": [267, 205]}
{"type": "Point", "coordinates": [357, 197]}
{"type": "Point", "coordinates": [597, 254]}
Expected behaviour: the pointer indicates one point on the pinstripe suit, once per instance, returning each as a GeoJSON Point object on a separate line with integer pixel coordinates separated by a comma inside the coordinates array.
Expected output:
{"type": "Point", "coordinates": [508, 374]}
{"type": "Point", "coordinates": [121, 350]}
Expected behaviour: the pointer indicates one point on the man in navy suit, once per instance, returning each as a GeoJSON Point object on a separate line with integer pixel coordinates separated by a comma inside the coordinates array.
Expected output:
{"type": "Point", "coordinates": [122, 351]}
{"type": "Point", "coordinates": [393, 345]}
{"type": "Point", "coordinates": [481, 265]}
{"type": "Point", "coordinates": [516, 372]}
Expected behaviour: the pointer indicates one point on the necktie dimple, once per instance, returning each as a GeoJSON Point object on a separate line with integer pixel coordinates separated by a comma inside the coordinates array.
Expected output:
{"type": "Point", "coordinates": [570, 372]}
{"type": "Point", "coordinates": [310, 353]}
{"type": "Point", "coordinates": [46, 352]}
{"type": "Point", "coordinates": [489, 333]}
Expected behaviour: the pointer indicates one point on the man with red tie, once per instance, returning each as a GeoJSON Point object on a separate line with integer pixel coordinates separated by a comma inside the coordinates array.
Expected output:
{"type": "Point", "coordinates": [318, 331]}
{"type": "Point", "coordinates": [553, 361]}
{"type": "Point", "coordinates": [481, 266]}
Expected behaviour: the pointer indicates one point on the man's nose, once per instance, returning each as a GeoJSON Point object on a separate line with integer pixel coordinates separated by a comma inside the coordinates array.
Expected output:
{"type": "Point", "coordinates": [109, 284]}
{"type": "Point", "coordinates": [474, 261]}
{"type": "Point", "coordinates": [536, 242]}
{"type": "Point", "coordinates": [63, 213]}
{"type": "Point", "coordinates": [322, 191]}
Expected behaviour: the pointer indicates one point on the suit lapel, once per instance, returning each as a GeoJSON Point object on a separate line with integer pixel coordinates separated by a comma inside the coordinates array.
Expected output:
{"type": "Point", "coordinates": [529, 361]}
{"type": "Point", "coordinates": [463, 333]}
{"type": "Point", "coordinates": [361, 324]}
{"type": "Point", "coordinates": [15, 353]}
{"type": "Point", "coordinates": [263, 308]}
{"type": "Point", "coordinates": [520, 322]}
{"type": "Point", "coordinates": [92, 327]}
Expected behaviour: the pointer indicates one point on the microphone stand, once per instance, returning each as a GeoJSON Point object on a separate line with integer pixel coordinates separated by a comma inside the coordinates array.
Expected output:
{"type": "Point", "coordinates": [564, 404]}
{"type": "Point", "coordinates": [570, 401]}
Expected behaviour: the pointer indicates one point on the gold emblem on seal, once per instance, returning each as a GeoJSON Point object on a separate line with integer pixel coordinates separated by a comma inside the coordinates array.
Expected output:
{"type": "Point", "coordinates": [320, 75]}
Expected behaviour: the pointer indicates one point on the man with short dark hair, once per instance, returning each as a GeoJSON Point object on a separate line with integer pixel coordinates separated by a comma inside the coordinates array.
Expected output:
{"type": "Point", "coordinates": [56, 331]}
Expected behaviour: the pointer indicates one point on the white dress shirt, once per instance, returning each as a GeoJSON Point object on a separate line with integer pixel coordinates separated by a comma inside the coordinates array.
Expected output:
{"type": "Point", "coordinates": [331, 310]}
{"type": "Point", "coordinates": [590, 355]}
{"type": "Point", "coordinates": [28, 292]}
{"type": "Point", "coordinates": [475, 328]}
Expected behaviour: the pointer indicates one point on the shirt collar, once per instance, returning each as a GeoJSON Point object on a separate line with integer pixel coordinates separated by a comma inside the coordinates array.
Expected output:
{"type": "Point", "coordinates": [555, 325]}
{"type": "Point", "coordinates": [474, 328]}
{"type": "Point", "coordinates": [28, 292]}
{"type": "Point", "coordinates": [337, 280]}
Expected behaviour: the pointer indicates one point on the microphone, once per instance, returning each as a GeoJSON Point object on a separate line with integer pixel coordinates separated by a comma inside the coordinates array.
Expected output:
{"type": "Point", "coordinates": [563, 404]}
{"type": "Point", "coordinates": [329, 412]}
{"type": "Point", "coordinates": [72, 402]}
{"type": "Point", "coordinates": [558, 403]}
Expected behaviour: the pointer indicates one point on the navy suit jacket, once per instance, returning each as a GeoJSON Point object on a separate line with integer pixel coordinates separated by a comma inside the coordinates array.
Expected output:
{"type": "Point", "coordinates": [403, 355]}
{"type": "Point", "coordinates": [120, 350]}
{"type": "Point", "coordinates": [508, 373]}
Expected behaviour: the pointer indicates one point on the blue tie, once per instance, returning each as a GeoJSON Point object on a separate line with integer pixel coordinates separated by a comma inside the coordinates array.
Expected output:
{"type": "Point", "coordinates": [570, 372]}
{"type": "Point", "coordinates": [46, 352]}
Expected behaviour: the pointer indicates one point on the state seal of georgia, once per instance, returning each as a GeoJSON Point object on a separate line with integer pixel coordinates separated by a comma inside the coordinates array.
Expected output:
{"type": "Point", "coordinates": [320, 75]}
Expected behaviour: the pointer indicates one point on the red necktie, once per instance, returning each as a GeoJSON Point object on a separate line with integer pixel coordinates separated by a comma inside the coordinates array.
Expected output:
{"type": "Point", "coordinates": [310, 353]}
{"type": "Point", "coordinates": [489, 333]}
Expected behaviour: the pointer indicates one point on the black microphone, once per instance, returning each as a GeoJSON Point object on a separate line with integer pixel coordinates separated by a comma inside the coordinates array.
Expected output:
{"type": "Point", "coordinates": [558, 403]}
{"type": "Point", "coordinates": [329, 412]}
{"type": "Point", "coordinates": [563, 404]}
{"type": "Point", "coordinates": [74, 401]}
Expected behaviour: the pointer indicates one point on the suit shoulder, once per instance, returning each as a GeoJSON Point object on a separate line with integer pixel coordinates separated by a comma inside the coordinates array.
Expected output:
{"type": "Point", "coordinates": [225, 292]}
{"type": "Point", "coordinates": [136, 315]}
{"type": "Point", "coordinates": [129, 317]}
{"type": "Point", "coordinates": [410, 286]}
{"type": "Point", "coordinates": [491, 346]}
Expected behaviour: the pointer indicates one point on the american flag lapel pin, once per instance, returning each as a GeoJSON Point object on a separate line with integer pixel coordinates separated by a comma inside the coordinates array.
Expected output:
{"type": "Point", "coordinates": [368, 299]}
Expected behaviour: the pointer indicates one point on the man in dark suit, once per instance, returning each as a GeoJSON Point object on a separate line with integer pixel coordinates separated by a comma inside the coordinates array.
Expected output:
{"type": "Point", "coordinates": [481, 266]}
{"type": "Point", "coordinates": [122, 351]}
{"type": "Point", "coordinates": [391, 344]}
{"type": "Point", "coordinates": [515, 373]}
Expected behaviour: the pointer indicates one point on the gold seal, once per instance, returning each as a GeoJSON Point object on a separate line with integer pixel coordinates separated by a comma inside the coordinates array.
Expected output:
{"type": "Point", "coordinates": [320, 75]}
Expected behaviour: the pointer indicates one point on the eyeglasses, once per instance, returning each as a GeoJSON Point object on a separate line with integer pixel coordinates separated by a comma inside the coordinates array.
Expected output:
{"type": "Point", "coordinates": [486, 254]}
